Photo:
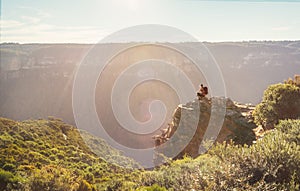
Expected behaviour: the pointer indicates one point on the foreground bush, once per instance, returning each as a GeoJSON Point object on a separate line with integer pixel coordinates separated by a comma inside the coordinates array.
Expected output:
{"type": "Point", "coordinates": [45, 159]}
{"type": "Point", "coordinates": [53, 178]}
{"type": "Point", "coordinates": [273, 163]}
{"type": "Point", "coordinates": [8, 180]}
{"type": "Point", "coordinates": [280, 101]}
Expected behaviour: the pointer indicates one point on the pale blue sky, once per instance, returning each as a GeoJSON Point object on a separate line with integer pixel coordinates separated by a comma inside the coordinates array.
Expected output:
{"type": "Point", "coordinates": [88, 21]}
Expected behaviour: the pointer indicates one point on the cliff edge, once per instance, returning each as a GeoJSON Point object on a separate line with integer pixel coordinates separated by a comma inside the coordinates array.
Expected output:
{"type": "Point", "coordinates": [237, 125]}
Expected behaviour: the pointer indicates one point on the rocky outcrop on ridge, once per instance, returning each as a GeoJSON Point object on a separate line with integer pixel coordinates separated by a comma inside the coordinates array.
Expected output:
{"type": "Point", "coordinates": [216, 119]}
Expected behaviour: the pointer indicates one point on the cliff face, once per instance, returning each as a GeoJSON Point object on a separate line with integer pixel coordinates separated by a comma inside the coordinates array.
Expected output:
{"type": "Point", "coordinates": [237, 125]}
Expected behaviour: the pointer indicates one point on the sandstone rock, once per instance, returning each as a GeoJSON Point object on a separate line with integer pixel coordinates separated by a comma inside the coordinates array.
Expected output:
{"type": "Point", "coordinates": [195, 117]}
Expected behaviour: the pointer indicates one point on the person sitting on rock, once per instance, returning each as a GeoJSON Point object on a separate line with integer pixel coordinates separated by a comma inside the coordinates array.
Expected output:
{"type": "Point", "coordinates": [203, 91]}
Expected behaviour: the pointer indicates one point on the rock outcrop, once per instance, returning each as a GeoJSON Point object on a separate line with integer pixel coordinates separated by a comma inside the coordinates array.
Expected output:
{"type": "Point", "coordinates": [216, 119]}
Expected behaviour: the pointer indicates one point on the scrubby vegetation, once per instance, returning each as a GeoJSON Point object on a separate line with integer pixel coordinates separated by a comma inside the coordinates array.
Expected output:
{"type": "Point", "coordinates": [273, 163]}
{"type": "Point", "coordinates": [29, 163]}
{"type": "Point", "coordinates": [51, 155]}
{"type": "Point", "coordinates": [280, 101]}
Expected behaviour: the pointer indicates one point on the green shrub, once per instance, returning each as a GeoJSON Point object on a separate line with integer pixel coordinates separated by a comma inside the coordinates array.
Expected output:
{"type": "Point", "coordinates": [5, 139]}
{"type": "Point", "coordinates": [291, 130]}
{"type": "Point", "coordinates": [53, 177]}
{"type": "Point", "coordinates": [54, 150]}
{"type": "Point", "coordinates": [85, 186]}
{"type": "Point", "coordinates": [273, 161]}
{"type": "Point", "coordinates": [7, 179]}
{"type": "Point", "coordinates": [9, 167]}
{"type": "Point", "coordinates": [280, 101]}
{"type": "Point", "coordinates": [154, 187]}
{"type": "Point", "coordinates": [60, 156]}
{"type": "Point", "coordinates": [185, 174]}
{"type": "Point", "coordinates": [52, 157]}
{"type": "Point", "coordinates": [89, 176]}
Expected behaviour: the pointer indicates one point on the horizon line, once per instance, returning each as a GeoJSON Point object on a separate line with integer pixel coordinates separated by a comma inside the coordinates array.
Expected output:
{"type": "Point", "coordinates": [267, 1]}
{"type": "Point", "coordinates": [232, 41]}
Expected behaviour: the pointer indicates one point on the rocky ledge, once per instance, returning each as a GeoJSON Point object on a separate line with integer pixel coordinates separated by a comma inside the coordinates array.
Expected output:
{"type": "Point", "coordinates": [217, 119]}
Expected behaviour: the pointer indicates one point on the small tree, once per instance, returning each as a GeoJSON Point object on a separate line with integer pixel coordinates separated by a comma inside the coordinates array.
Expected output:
{"type": "Point", "coordinates": [280, 101]}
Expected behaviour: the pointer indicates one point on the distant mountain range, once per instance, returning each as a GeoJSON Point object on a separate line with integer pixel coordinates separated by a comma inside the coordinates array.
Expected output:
{"type": "Point", "coordinates": [36, 79]}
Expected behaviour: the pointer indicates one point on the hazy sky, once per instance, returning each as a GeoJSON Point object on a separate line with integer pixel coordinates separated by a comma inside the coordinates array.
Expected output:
{"type": "Point", "coordinates": [88, 21]}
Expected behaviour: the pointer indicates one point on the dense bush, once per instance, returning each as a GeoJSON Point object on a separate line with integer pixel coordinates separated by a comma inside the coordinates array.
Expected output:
{"type": "Point", "coordinates": [154, 187]}
{"type": "Point", "coordinates": [38, 152]}
{"type": "Point", "coordinates": [291, 130]}
{"type": "Point", "coordinates": [8, 180]}
{"type": "Point", "coordinates": [53, 178]}
{"type": "Point", "coordinates": [85, 186]}
{"type": "Point", "coordinates": [280, 101]}
{"type": "Point", "coordinates": [273, 163]}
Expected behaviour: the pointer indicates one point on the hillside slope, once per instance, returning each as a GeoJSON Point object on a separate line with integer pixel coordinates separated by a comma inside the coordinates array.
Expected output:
{"type": "Point", "coordinates": [49, 155]}
{"type": "Point", "coordinates": [33, 149]}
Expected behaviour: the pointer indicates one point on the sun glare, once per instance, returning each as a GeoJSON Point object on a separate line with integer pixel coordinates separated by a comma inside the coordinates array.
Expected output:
{"type": "Point", "coordinates": [133, 5]}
